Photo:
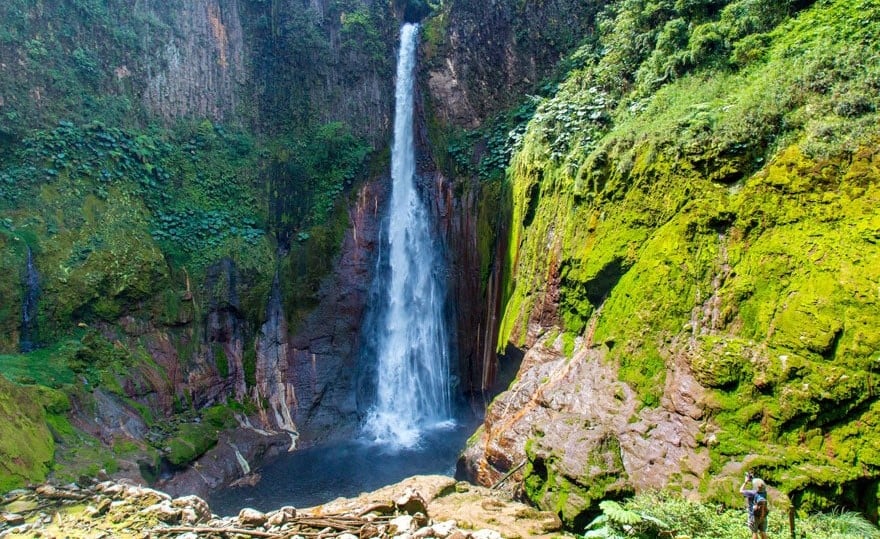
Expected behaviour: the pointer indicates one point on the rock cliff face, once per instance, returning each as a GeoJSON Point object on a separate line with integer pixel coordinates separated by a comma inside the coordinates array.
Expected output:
{"type": "Point", "coordinates": [200, 71]}
{"type": "Point", "coordinates": [322, 61]}
{"type": "Point", "coordinates": [161, 331]}
{"type": "Point", "coordinates": [575, 433]}
{"type": "Point", "coordinates": [274, 390]}
{"type": "Point", "coordinates": [689, 272]}
{"type": "Point", "coordinates": [683, 245]}
{"type": "Point", "coordinates": [479, 59]}
{"type": "Point", "coordinates": [483, 57]}
{"type": "Point", "coordinates": [324, 352]}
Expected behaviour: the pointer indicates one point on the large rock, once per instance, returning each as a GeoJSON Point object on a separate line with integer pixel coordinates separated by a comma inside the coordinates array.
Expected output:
{"type": "Point", "coordinates": [579, 434]}
{"type": "Point", "coordinates": [251, 517]}
{"type": "Point", "coordinates": [220, 465]}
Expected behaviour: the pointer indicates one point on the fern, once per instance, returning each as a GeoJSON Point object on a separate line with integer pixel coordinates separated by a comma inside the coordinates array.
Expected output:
{"type": "Point", "coordinates": [617, 522]}
{"type": "Point", "coordinates": [617, 514]}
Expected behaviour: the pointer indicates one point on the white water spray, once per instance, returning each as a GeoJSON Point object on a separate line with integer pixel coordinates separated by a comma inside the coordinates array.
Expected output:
{"type": "Point", "coordinates": [412, 392]}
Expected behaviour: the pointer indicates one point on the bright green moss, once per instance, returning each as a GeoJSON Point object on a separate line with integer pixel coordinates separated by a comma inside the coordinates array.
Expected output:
{"type": "Point", "coordinates": [220, 417]}
{"type": "Point", "coordinates": [26, 445]}
{"type": "Point", "coordinates": [190, 442]}
{"type": "Point", "coordinates": [48, 366]}
{"type": "Point", "coordinates": [730, 217]}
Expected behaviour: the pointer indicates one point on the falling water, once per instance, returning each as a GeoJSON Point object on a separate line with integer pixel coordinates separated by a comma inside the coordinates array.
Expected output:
{"type": "Point", "coordinates": [412, 351]}
{"type": "Point", "coordinates": [28, 340]}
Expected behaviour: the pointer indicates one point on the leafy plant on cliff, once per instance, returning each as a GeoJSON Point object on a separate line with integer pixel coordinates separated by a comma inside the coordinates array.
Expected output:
{"type": "Point", "coordinates": [310, 173]}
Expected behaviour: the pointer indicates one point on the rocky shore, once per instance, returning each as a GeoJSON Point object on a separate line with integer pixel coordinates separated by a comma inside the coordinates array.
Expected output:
{"type": "Point", "coordinates": [418, 507]}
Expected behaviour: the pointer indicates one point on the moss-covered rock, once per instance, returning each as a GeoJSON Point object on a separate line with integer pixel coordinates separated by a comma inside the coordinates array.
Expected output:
{"type": "Point", "coordinates": [570, 484]}
{"type": "Point", "coordinates": [725, 224]}
{"type": "Point", "coordinates": [191, 441]}
{"type": "Point", "coordinates": [26, 445]}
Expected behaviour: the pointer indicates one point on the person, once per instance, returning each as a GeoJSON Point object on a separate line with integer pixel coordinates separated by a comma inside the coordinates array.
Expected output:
{"type": "Point", "coordinates": [756, 497]}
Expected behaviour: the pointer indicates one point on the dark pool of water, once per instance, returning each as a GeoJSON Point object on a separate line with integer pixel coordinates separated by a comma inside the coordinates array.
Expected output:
{"type": "Point", "coordinates": [319, 474]}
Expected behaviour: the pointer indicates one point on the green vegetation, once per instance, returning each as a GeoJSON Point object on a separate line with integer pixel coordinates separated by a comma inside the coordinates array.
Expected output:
{"type": "Point", "coordinates": [704, 184]}
{"type": "Point", "coordinates": [49, 367]}
{"type": "Point", "coordinates": [141, 221]}
{"type": "Point", "coordinates": [26, 445]}
{"type": "Point", "coordinates": [188, 441]}
{"type": "Point", "coordinates": [73, 70]}
{"type": "Point", "coordinates": [659, 514]}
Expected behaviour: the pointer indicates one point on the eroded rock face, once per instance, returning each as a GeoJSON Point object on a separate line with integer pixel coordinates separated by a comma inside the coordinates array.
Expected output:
{"type": "Point", "coordinates": [580, 436]}
{"type": "Point", "coordinates": [225, 328]}
{"type": "Point", "coordinates": [493, 52]}
{"type": "Point", "coordinates": [472, 298]}
{"type": "Point", "coordinates": [202, 63]}
{"type": "Point", "coordinates": [324, 347]}
{"type": "Point", "coordinates": [274, 391]}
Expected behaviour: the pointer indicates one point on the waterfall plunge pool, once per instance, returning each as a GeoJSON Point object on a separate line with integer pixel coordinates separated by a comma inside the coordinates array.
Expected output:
{"type": "Point", "coordinates": [316, 475]}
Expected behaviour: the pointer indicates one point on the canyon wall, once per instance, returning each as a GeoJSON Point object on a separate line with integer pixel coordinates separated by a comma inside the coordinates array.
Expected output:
{"type": "Point", "coordinates": [668, 210]}
{"type": "Point", "coordinates": [691, 263]}
{"type": "Point", "coordinates": [160, 162]}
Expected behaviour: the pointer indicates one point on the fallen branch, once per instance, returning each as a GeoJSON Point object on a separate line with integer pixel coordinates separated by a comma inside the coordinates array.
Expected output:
{"type": "Point", "coordinates": [382, 508]}
{"type": "Point", "coordinates": [207, 529]}
{"type": "Point", "coordinates": [508, 474]}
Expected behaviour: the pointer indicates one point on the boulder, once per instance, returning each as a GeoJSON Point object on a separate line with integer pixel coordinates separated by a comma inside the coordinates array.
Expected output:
{"type": "Point", "coordinates": [193, 509]}
{"type": "Point", "coordinates": [144, 495]}
{"type": "Point", "coordinates": [12, 519]}
{"type": "Point", "coordinates": [411, 502]}
{"type": "Point", "coordinates": [281, 516]}
{"type": "Point", "coordinates": [401, 524]}
{"type": "Point", "coordinates": [53, 493]}
{"type": "Point", "coordinates": [251, 517]}
{"type": "Point", "coordinates": [164, 512]}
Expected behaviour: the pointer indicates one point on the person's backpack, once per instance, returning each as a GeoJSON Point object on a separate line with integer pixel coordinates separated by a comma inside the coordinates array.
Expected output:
{"type": "Point", "coordinates": [761, 507]}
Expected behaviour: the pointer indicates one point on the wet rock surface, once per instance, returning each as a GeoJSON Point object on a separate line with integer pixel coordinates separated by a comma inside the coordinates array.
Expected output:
{"type": "Point", "coordinates": [418, 507]}
{"type": "Point", "coordinates": [323, 347]}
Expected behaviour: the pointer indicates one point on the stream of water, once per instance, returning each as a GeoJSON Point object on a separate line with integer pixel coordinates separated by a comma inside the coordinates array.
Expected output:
{"type": "Point", "coordinates": [29, 330]}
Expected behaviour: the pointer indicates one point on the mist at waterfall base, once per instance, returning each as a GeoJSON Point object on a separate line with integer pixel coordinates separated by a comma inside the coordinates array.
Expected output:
{"type": "Point", "coordinates": [411, 426]}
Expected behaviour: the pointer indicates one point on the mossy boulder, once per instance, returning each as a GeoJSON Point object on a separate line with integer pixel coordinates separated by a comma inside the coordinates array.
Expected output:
{"type": "Point", "coordinates": [571, 468]}
{"type": "Point", "coordinates": [190, 442]}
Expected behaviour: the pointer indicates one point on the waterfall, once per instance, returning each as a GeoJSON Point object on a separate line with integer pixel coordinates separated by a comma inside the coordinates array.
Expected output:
{"type": "Point", "coordinates": [409, 331]}
{"type": "Point", "coordinates": [28, 340]}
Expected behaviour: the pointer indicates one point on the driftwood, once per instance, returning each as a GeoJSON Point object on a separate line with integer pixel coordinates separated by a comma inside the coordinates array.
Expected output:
{"type": "Point", "coordinates": [383, 508]}
{"type": "Point", "coordinates": [217, 531]}
{"type": "Point", "coordinates": [319, 527]}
